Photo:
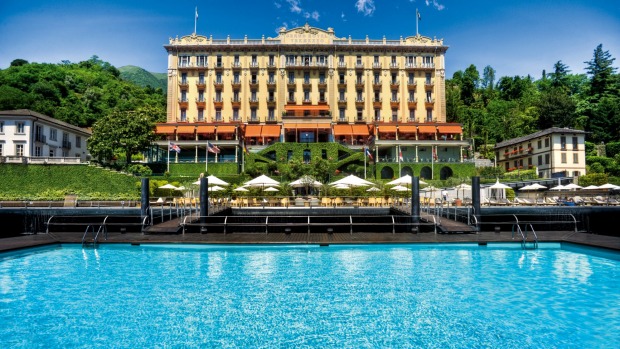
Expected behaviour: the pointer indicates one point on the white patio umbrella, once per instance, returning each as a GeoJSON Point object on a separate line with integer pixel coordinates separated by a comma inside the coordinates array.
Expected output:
{"type": "Point", "coordinates": [240, 189]}
{"type": "Point", "coordinates": [341, 186]}
{"type": "Point", "coordinates": [352, 181]}
{"type": "Point", "coordinates": [462, 187]}
{"type": "Point", "coordinates": [558, 187]}
{"type": "Point", "coordinates": [212, 181]}
{"type": "Point", "coordinates": [169, 187]}
{"type": "Point", "coordinates": [609, 186]}
{"type": "Point", "coordinates": [591, 187]}
{"type": "Point", "coordinates": [400, 188]}
{"type": "Point", "coordinates": [262, 181]}
{"type": "Point", "coordinates": [306, 181]}
{"type": "Point", "coordinates": [572, 186]}
{"type": "Point", "coordinates": [373, 189]}
{"type": "Point", "coordinates": [404, 180]}
{"type": "Point", "coordinates": [499, 186]}
{"type": "Point", "coordinates": [272, 189]}
{"type": "Point", "coordinates": [534, 186]}
{"type": "Point", "coordinates": [215, 188]}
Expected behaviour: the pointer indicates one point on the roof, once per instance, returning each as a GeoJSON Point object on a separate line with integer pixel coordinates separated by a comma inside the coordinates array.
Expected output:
{"type": "Point", "coordinates": [49, 119]}
{"type": "Point", "coordinates": [536, 135]}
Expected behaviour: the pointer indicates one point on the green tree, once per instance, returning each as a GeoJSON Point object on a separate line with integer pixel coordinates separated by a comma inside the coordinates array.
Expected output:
{"type": "Point", "coordinates": [556, 109]}
{"type": "Point", "coordinates": [124, 131]}
{"type": "Point", "coordinates": [559, 77]}
{"type": "Point", "coordinates": [601, 70]}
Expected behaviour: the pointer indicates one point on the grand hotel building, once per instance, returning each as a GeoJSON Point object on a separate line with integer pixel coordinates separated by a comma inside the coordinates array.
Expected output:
{"type": "Point", "coordinates": [307, 85]}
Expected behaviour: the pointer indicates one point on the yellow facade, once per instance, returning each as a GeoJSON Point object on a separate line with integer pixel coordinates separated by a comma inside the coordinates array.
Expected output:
{"type": "Point", "coordinates": [306, 73]}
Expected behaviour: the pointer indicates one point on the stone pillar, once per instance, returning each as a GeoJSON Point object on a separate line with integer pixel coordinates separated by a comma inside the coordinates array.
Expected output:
{"type": "Point", "coordinates": [415, 199]}
{"type": "Point", "coordinates": [475, 196]}
{"type": "Point", "coordinates": [144, 202]}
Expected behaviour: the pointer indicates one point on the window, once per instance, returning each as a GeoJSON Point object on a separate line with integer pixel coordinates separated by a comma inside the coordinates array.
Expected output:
{"type": "Point", "coordinates": [218, 114]}
{"type": "Point", "coordinates": [78, 142]}
{"type": "Point", "coordinates": [254, 79]}
{"type": "Point", "coordinates": [218, 96]}
{"type": "Point", "coordinates": [51, 154]}
{"type": "Point", "coordinates": [412, 115]}
{"type": "Point", "coordinates": [253, 96]}
{"type": "Point", "coordinates": [291, 77]}
{"type": "Point", "coordinates": [201, 115]}
{"type": "Point", "coordinates": [236, 79]}
{"type": "Point", "coordinates": [563, 142]}
{"type": "Point", "coordinates": [184, 78]}
{"type": "Point", "coordinates": [575, 143]}
{"type": "Point", "coordinates": [394, 96]}
{"type": "Point", "coordinates": [201, 78]}
{"type": "Point", "coordinates": [410, 62]}
{"type": "Point", "coordinates": [201, 96]}
{"type": "Point", "coordinates": [53, 135]}
{"type": "Point", "coordinates": [341, 58]}
{"type": "Point", "coordinates": [291, 96]}
{"type": "Point", "coordinates": [321, 59]}
{"type": "Point", "coordinates": [306, 77]}
{"type": "Point", "coordinates": [377, 114]}
{"type": "Point", "coordinates": [358, 79]}
{"type": "Point", "coordinates": [563, 157]}
{"type": "Point", "coordinates": [321, 96]}
{"type": "Point", "coordinates": [20, 128]}
{"type": "Point", "coordinates": [546, 159]}
{"type": "Point", "coordinates": [183, 96]}
{"type": "Point", "coordinates": [546, 142]}
{"type": "Point", "coordinates": [393, 60]}
{"type": "Point", "coordinates": [411, 96]}
{"type": "Point", "coordinates": [1, 149]}
{"type": "Point", "coordinates": [358, 61]}
{"type": "Point", "coordinates": [183, 61]}
{"type": "Point", "coordinates": [376, 59]}
{"type": "Point", "coordinates": [183, 115]}
{"type": "Point", "coordinates": [254, 61]}
{"type": "Point", "coordinates": [539, 144]}
{"type": "Point", "coordinates": [341, 95]}
{"type": "Point", "coordinates": [272, 97]}
{"type": "Point", "coordinates": [341, 115]}
{"type": "Point", "coordinates": [218, 78]}
{"type": "Point", "coordinates": [376, 79]}
{"type": "Point", "coordinates": [540, 162]}
{"type": "Point", "coordinates": [321, 78]}
{"type": "Point", "coordinates": [290, 59]}
{"type": "Point", "coordinates": [38, 151]}
{"type": "Point", "coordinates": [236, 60]}
{"type": "Point", "coordinates": [575, 158]}
{"type": "Point", "coordinates": [427, 61]}
{"type": "Point", "coordinates": [235, 114]}
{"type": "Point", "coordinates": [394, 116]}
{"type": "Point", "coordinates": [359, 96]}
{"type": "Point", "coordinates": [429, 96]}
{"type": "Point", "coordinates": [218, 61]}
{"type": "Point", "coordinates": [306, 96]}
{"type": "Point", "coordinates": [236, 96]}
{"type": "Point", "coordinates": [253, 116]}
{"type": "Point", "coordinates": [341, 78]}
{"type": "Point", "coordinates": [307, 59]}
{"type": "Point", "coordinates": [271, 60]}
{"type": "Point", "coordinates": [576, 173]}
{"type": "Point", "coordinates": [19, 150]}
{"type": "Point", "coordinates": [377, 96]}
{"type": "Point", "coordinates": [271, 113]}
{"type": "Point", "coordinates": [359, 115]}
{"type": "Point", "coordinates": [411, 79]}
{"type": "Point", "coordinates": [429, 115]}
{"type": "Point", "coordinates": [201, 61]}
{"type": "Point", "coordinates": [272, 78]}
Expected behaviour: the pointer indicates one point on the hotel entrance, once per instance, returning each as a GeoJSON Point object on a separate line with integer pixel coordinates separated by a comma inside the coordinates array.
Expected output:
{"type": "Point", "coordinates": [307, 133]}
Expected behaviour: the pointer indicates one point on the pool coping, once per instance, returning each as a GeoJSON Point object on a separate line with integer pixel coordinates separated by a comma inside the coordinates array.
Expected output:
{"type": "Point", "coordinates": [592, 240]}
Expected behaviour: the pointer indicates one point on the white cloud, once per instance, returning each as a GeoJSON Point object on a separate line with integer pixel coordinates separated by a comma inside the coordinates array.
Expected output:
{"type": "Point", "coordinates": [367, 7]}
{"type": "Point", "coordinates": [435, 4]}
{"type": "Point", "coordinates": [343, 17]}
{"type": "Point", "coordinates": [277, 4]}
{"type": "Point", "coordinates": [314, 15]}
{"type": "Point", "coordinates": [294, 6]}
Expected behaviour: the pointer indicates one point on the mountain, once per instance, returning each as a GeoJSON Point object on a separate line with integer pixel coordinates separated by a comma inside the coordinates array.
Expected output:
{"type": "Point", "coordinates": [143, 78]}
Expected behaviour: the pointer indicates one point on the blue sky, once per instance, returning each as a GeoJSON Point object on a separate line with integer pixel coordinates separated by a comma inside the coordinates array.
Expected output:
{"type": "Point", "coordinates": [515, 37]}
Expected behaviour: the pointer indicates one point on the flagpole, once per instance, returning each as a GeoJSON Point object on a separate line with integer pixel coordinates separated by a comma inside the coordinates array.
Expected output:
{"type": "Point", "coordinates": [168, 162]}
{"type": "Point", "coordinates": [399, 173]}
{"type": "Point", "coordinates": [417, 16]}
{"type": "Point", "coordinates": [364, 150]}
{"type": "Point", "coordinates": [207, 159]}
{"type": "Point", "coordinates": [195, 19]}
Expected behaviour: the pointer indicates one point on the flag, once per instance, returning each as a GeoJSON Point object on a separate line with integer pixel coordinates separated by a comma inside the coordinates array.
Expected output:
{"type": "Point", "coordinates": [174, 147]}
{"type": "Point", "coordinates": [400, 155]}
{"type": "Point", "coordinates": [368, 153]}
{"type": "Point", "coordinates": [416, 10]}
{"type": "Point", "coordinates": [434, 154]}
{"type": "Point", "coordinates": [196, 12]}
{"type": "Point", "coordinates": [212, 148]}
{"type": "Point", "coordinates": [245, 148]}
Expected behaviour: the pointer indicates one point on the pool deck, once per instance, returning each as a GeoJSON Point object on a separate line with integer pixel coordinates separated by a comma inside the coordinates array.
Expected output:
{"type": "Point", "coordinates": [26, 241]}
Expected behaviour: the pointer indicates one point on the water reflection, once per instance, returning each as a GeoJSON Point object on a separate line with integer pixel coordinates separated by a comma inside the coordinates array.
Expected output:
{"type": "Point", "coordinates": [572, 266]}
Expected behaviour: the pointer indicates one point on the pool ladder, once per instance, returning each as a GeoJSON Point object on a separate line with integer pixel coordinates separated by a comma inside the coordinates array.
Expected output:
{"type": "Point", "coordinates": [95, 234]}
{"type": "Point", "coordinates": [525, 243]}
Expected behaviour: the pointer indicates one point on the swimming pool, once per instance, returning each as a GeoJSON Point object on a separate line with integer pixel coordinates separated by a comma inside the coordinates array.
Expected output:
{"type": "Point", "coordinates": [378, 296]}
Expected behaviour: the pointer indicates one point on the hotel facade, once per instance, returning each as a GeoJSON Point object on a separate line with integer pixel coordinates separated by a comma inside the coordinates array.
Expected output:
{"type": "Point", "coordinates": [309, 86]}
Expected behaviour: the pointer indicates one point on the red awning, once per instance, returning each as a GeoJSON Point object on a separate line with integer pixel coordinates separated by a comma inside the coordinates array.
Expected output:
{"type": "Point", "coordinates": [205, 129]}
{"type": "Point", "coordinates": [360, 130]}
{"type": "Point", "coordinates": [252, 131]}
{"type": "Point", "coordinates": [427, 129]}
{"type": "Point", "coordinates": [271, 131]}
{"type": "Point", "coordinates": [342, 130]}
{"type": "Point", "coordinates": [225, 129]}
{"type": "Point", "coordinates": [165, 129]}
{"type": "Point", "coordinates": [185, 129]}
{"type": "Point", "coordinates": [387, 129]}
{"type": "Point", "coordinates": [408, 129]}
{"type": "Point", "coordinates": [450, 129]}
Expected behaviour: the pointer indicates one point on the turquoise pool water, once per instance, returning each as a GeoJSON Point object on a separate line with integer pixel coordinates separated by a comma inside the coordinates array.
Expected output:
{"type": "Point", "coordinates": [398, 296]}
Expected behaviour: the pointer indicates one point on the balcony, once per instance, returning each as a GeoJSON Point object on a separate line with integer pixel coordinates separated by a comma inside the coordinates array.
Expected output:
{"type": "Point", "coordinates": [271, 65]}
{"type": "Point", "coordinates": [218, 84]}
{"type": "Point", "coordinates": [322, 84]}
{"type": "Point", "coordinates": [376, 84]}
{"type": "Point", "coordinates": [235, 65]}
{"type": "Point", "coordinates": [236, 102]}
{"type": "Point", "coordinates": [218, 102]}
{"type": "Point", "coordinates": [271, 101]}
{"type": "Point", "coordinates": [410, 66]}
{"type": "Point", "coordinates": [290, 83]}
{"type": "Point", "coordinates": [254, 84]}
{"type": "Point", "coordinates": [394, 103]}
{"type": "Point", "coordinates": [376, 65]}
{"type": "Point", "coordinates": [306, 102]}
{"type": "Point", "coordinates": [376, 103]}
{"type": "Point", "coordinates": [218, 66]}
{"type": "Point", "coordinates": [183, 84]}
{"type": "Point", "coordinates": [271, 119]}
{"type": "Point", "coordinates": [342, 85]}
{"type": "Point", "coordinates": [411, 85]}
{"type": "Point", "coordinates": [201, 84]}
{"type": "Point", "coordinates": [66, 144]}
{"type": "Point", "coordinates": [359, 65]}
{"type": "Point", "coordinates": [429, 102]}
{"type": "Point", "coordinates": [39, 138]}
{"type": "Point", "coordinates": [253, 102]}
{"type": "Point", "coordinates": [394, 85]}
{"type": "Point", "coordinates": [306, 84]}
{"type": "Point", "coordinates": [342, 65]}
{"type": "Point", "coordinates": [359, 84]}
{"type": "Point", "coordinates": [412, 103]}
{"type": "Point", "coordinates": [236, 84]}
{"type": "Point", "coordinates": [271, 84]}
{"type": "Point", "coordinates": [427, 66]}
{"type": "Point", "coordinates": [183, 103]}
{"type": "Point", "coordinates": [359, 102]}
{"type": "Point", "coordinates": [394, 66]}
{"type": "Point", "coordinates": [254, 65]}
{"type": "Point", "coordinates": [342, 102]}
{"type": "Point", "coordinates": [429, 84]}
{"type": "Point", "coordinates": [201, 103]}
